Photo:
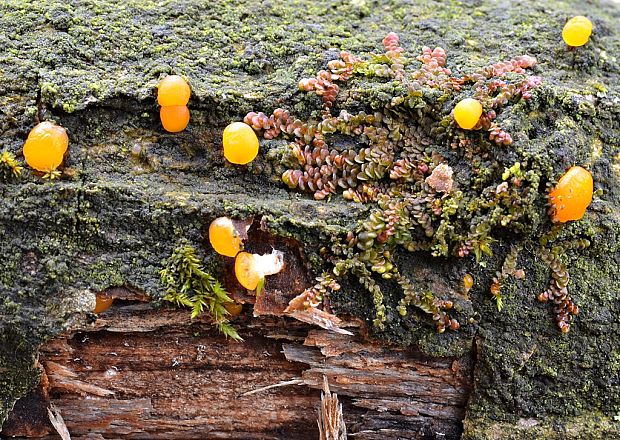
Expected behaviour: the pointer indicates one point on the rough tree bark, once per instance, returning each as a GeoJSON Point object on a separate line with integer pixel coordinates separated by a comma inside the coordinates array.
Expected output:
{"type": "Point", "coordinates": [130, 192]}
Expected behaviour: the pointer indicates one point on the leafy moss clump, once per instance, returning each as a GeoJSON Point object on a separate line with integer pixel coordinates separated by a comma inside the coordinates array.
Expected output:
{"type": "Point", "coordinates": [429, 185]}
{"type": "Point", "coordinates": [188, 285]}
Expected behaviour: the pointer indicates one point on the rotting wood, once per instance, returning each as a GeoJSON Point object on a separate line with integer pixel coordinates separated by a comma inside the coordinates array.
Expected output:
{"type": "Point", "coordinates": [331, 420]}
{"type": "Point", "coordinates": [58, 423]}
{"type": "Point", "coordinates": [151, 373]}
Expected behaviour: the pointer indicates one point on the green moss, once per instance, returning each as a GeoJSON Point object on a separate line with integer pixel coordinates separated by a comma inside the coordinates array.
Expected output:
{"type": "Point", "coordinates": [18, 373]}
{"type": "Point", "coordinates": [188, 285]}
{"type": "Point", "coordinates": [590, 426]}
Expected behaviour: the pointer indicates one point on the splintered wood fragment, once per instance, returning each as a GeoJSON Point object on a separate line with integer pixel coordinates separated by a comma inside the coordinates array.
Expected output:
{"type": "Point", "coordinates": [275, 385]}
{"type": "Point", "coordinates": [318, 317]}
{"type": "Point", "coordinates": [61, 377]}
{"type": "Point", "coordinates": [58, 423]}
{"type": "Point", "coordinates": [331, 421]}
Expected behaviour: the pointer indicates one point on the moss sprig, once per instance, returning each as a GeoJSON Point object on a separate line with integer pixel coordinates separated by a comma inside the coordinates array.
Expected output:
{"type": "Point", "coordinates": [314, 296]}
{"type": "Point", "coordinates": [9, 167]}
{"type": "Point", "coordinates": [557, 292]}
{"type": "Point", "coordinates": [509, 268]}
{"type": "Point", "coordinates": [189, 285]}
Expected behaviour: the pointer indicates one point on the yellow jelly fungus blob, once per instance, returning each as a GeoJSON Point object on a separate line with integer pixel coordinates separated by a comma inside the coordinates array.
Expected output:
{"type": "Point", "coordinates": [572, 195]}
{"type": "Point", "coordinates": [46, 146]}
{"type": "Point", "coordinates": [174, 118]}
{"type": "Point", "coordinates": [467, 113]}
{"type": "Point", "coordinates": [468, 281]}
{"type": "Point", "coordinates": [577, 31]}
{"type": "Point", "coordinates": [103, 303]}
{"type": "Point", "coordinates": [224, 237]}
{"type": "Point", "coordinates": [240, 143]}
{"type": "Point", "coordinates": [233, 308]}
{"type": "Point", "coordinates": [251, 269]}
{"type": "Point", "coordinates": [245, 270]}
{"type": "Point", "coordinates": [173, 90]}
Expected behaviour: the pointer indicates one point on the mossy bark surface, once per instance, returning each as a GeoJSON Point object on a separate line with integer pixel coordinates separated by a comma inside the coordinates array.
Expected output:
{"type": "Point", "coordinates": [130, 192]}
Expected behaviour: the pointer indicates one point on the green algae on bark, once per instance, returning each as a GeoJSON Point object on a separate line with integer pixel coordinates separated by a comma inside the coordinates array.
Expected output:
{"type": "Point", "coordinates": [114, 217]}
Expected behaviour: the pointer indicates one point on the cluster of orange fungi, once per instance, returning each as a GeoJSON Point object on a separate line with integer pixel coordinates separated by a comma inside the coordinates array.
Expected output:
{"type": "Point", "coordinates": [173, 95]}
{"type": "Point", "coordinates": [227, 236]}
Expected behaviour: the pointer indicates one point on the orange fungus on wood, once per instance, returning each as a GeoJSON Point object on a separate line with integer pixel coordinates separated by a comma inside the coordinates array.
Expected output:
{"type": "Point", "coordinates": [572, 195]}
{"type": "Point", "coordinates": [103, 303]}
{"type": "Point", "coordinates": [174, 118]}
{"type": "Point", "coordinates": [224, 237]}
{"type": "Point", "coordinates": [172, 91]}
{"type": "Point", "coordinates": [467, 113]}
{"type": "Point", "coordinates": [173, 95]}
{"type": "Point", "coordinates": [251, 269]}
{"type": "Point", "coordinates": [577, 31]}
{"type": "Point", "coordinates": [46, 146]}
{"type": "Point", "coordinates": [468, 281]}
{"type": "Point", "coordinates": [240, 143]}
{"type": "Point", "coordinates": [233, 308]}
{"type": "Point", "coordinates": [246, 271]}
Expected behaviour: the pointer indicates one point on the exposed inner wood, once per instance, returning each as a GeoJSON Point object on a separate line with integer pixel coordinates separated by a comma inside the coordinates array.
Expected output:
{"type": "Point", "coordinates": [143, 373]}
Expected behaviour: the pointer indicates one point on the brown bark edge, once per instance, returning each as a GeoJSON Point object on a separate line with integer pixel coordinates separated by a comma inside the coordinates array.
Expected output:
{"type": "Point", "coordinates": [145, 373]}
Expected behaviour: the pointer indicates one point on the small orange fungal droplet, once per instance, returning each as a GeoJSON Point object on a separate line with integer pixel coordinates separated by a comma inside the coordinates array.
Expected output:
{"type": "Point", "coordinates": [103, 303]}
{"type": "Point", "coordinates": [224, 237]}
{"type": "Point", "coordinates": [174, 118]}
{"type": "Point", "coordinates": [233, 308]}
{"type": "Point", "coordinates": [246, 270]}
{"type": "Point", "coordinates": [240, 143]}
{"type": "Point", "coordinates": [46, 146]}
{"type": "Point", "coordinates": [172, 91]}
{"type": "Point", "coordinates": [577, 31]}
{"type": "Point", "coordinates": [251, 269]}
{"type": "Point", "coordinates": [467, 113]}
{"type": "Point", "coordinates": [572, 195]}
{"type": "Point", "coordinates": [468, 281]}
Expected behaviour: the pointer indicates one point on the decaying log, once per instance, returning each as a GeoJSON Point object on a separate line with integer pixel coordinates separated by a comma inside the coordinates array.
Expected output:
{"type": "Point", "coordinates": [131, 193]}
{"type": "Point", "coordinates": [141, 373]}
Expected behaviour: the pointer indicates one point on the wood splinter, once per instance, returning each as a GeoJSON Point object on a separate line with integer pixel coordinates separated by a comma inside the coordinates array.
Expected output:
{"type": "Point", "coordinates": [58, 423]}
{"type": "Point", "coordinates": [331, 421]}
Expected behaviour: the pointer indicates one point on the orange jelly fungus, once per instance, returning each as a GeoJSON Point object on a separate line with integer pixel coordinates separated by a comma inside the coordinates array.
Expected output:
{"type": "Point", "coordinates": [467, 113]}
{"type": "Point", "coordinates": [233, 308]}
{"type": "Point", "coordinates": [103, 303]}
{"type": "Point", "coordinates": [251, 269]}
{"type": "Point", "coordinates": [240, 143]}
{"type": "Point", "coordinates": [172, 91]}
{"type": "Point", "coordinates": [46, 146]}
{"type": "Point", "coordinates": [572, 195]}
{"type": "Point", "coordinates": [245, 270]}
{"type": "Point", "coordinates": [224, 237]}
{"type": "Point", "coordinates": [468, 281]}
{"type": "Point", "coordinates": [174, 118]}
{"type": "Point", "coordinates": [577, 31]}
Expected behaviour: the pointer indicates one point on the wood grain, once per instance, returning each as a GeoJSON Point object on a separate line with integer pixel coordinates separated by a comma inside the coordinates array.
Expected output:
{"type": "Point", "coordinates": [144, 373]}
